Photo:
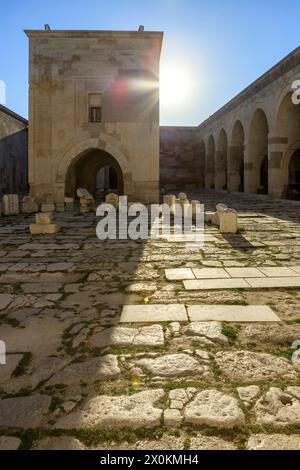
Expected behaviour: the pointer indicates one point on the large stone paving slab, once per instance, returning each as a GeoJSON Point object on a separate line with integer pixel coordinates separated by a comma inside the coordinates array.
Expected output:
{"type": "Point", "coordinates": [244, 272]}
{"type": "Point", "coordinates": [153, 313]}
{"type": "Point", "coordinates": [248, 366]}
{"type": "Point", "coordinates": [232, 313]}
{"type": "Point", "coordinates": [274, 442]}
{"type": "Point", "coordinates": [214, 408]}
{"type": "Point", "coordinates": [24, 412]}
{"type": "Point", "coordinates": [171, 365]}
{"type": "Point", "coordinates": [278, 408]}
{"type": "Point", "coordinates": [278, 271]}
{"type": "Point", "coordinates": [98, 368]}
{"type": "Point", "coordinates": [208, 284]}
{"type": "Point", "coordinates": [210, 273]}
{"type": "Point", "coordinates": [122, 336]}
{"type": "Point", "coordinates": [274, 282]}
{"type": "Point", "coordinates": [209, 329]}
{"type": "Point", "coordinates": [133, 412]}
{"type": "Point", "coordinates": [179, 274]}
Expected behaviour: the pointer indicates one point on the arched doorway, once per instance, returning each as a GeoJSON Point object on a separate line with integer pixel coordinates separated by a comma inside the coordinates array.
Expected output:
{"type": "Point", "coordinates": [257, 154]}
{"type": "Point", "coordinates": [286, 178]}
{"type": "Point", "coordinates": [89, 169]}
{"type": "Point", "coordinates": [236, 158]}
{"type": "Point", "coordinates": [294, 176]}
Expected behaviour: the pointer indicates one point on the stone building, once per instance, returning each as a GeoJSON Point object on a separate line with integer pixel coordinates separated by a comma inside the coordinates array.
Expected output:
{"type": "Point", "coordinates": [252, 144]}
{"type": "Point", "coordinates": [94, 103]}
{"type": "Point", "coordinates": [13, 152]}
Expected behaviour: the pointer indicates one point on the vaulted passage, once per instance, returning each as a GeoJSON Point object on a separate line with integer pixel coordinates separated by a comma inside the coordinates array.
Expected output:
{"type": "Point", "coordinates": [294, 175]}
{"type": "Point", "coordinates": [95, 170]}
{"type": "Point", "coordinates": [256, 171]}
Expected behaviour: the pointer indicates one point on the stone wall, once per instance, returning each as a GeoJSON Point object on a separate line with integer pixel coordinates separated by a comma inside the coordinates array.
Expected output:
{"type": "Point", "coordinates": [180, 162]}
{"type": "Point", "coordinates": [13, 153]}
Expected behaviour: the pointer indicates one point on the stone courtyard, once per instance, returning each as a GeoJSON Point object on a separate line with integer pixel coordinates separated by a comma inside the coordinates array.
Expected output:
{"type": "Point", "coordinates": [149, 345]}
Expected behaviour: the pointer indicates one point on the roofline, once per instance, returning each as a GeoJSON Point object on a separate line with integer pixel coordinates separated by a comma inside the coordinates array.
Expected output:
{"type": "Point", "coordinates": [13, 114]}
{"type": "Point", "coordinates": [89, 32]}
{"type": "Point", "coordinates": [287, 63]}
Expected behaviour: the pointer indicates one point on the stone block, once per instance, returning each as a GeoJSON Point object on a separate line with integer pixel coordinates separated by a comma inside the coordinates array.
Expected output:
{"type": "Point", "coordinates": [112, 198]}
{"type": "Point", "coordinates": [83, 193]}
{"type": "Point", "coordinates": [47, 207]}
{"type": "Point", "coordinates": [29, 207]}
{"type": "Point", "coordinates": [45, 229]}
{"type": "Point", "coordinates": [10, 204]}
{"type": "Point", "coordinates": [44, 218]}
{"type": "Point", "coordinates": [153, 313]}
{"type": "Point", "coordinates": [169, 199]}
{"type": "Point", "coordinates": [228, 221]}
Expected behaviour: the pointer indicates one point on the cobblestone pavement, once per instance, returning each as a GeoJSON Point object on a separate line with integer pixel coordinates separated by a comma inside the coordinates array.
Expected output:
{"type": "Point", "coordinates": [77, 378]}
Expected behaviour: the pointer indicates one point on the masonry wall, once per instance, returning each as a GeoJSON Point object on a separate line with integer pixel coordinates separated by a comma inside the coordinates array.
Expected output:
{"type": "Point", "coordinates": [66, 67]}
{"type": "Point", "coordinates": [13, 154]}
{"type": "Point", "coordinates": [180, 164]}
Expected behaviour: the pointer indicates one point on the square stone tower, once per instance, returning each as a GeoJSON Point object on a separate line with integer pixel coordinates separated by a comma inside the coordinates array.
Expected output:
{"type": "Point", "coordinates": [94, 103]}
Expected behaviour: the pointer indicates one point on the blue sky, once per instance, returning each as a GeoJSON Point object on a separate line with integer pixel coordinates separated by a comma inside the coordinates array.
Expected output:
{"type": "Point", "coordinates": [220, 46]}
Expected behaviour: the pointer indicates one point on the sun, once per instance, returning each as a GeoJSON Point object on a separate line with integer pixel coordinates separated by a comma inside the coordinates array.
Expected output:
{"type": "Point", "coordinates": [175, 86]}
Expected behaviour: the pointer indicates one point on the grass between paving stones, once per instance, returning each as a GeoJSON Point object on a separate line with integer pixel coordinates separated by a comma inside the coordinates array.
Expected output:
{"type": "Point", "coordinates": [91, 437]}
{"type": "Point", "coordinates": [230, 332]}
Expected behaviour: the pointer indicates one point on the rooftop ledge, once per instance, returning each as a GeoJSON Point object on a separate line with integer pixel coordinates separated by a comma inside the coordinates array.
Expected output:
{"type": "Point", "coordinates": [91, 33]}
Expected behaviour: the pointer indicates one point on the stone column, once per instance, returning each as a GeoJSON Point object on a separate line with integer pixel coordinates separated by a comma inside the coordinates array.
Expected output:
{"type": "Point", "coordinates": [277, 176]}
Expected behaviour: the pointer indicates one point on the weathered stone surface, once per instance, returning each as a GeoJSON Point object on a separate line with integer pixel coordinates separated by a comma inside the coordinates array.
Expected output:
{"type": "Point", "coordinates": [228, 221]}
{"type": "Point", "coordinates": [274, 442]}
{"type": "Point", "coordinates": [98, 368]}
{"type": "Point", "coordinates": [45, 229]}
{"type": "Point", "coordinates": [252, 366]}
{"type": "Point", "coordinates": [44, 218]}
{"type": "Point", "coordinates": [170, 365]}
{"type": "Point", "coordinates": [9, 443]}
{"type": "Point", "coordinates": [247, 394]}
{"type": "Point", "coordinates": [121, 336]}
{"type": "Point", "coordinates": [210, 443]}
{"type": "Point", "coordinates": [275, 335]}
{"type": "Point", "coordinates": [83, 193]}
{"type": "Point", "coordinates": [213, 408]}
{"type": "Point", "coordinates": [6, 370]}
{"type": "Point", "coordinates": [47, 207]}
{"type": "Point", "coordinates": [124, 411]}
{"type": "Point", "coordinates": [5, 300]}
{"type": "Point", "coordinates": [277, 408]}
{"type": "Point", "coordinates": [295, 391]}
{"type": "Point", "coordinates": [24, 412]}
{"type": "Point", "coordinates": [153, 313]}
{"type": "Point", "coordinates": [58, 443]}
{"type": "Point", "coordinates": [44, 368]}
{"type": "Point", "coordinates": [211, 330]}
{"type": "Point", "coordinates": [232, 313]}
{"type": "Point", "coordinates": [63, 266]}
{"type": "Point", "coordinates": [180, 396]}
{"type": "Point", "coordinates": [172, 418]}
{"type": "Point", "coordinates": [179, 274]}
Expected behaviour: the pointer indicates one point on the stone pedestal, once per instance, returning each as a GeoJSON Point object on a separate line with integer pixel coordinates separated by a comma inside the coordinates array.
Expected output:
{"type": "Point", "coordinates": [44, 224]}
